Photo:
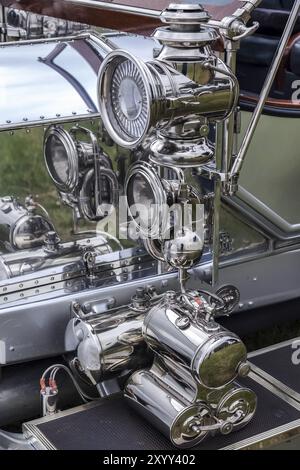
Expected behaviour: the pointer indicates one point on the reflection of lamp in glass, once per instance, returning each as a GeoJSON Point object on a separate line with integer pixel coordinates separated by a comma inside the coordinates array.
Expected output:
{"type": "Point", "coordinates": [81, 173]}
{"type": "Point", "coordinates": [165, 213]}
{"type": "Point", "coordinates": [61, 158]}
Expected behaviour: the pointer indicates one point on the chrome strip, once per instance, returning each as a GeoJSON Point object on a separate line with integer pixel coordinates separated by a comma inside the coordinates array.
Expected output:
{"type": "Point", "coordinates": [117, 8]}
{"type": "Point", "coordinates": [264, 440]}
{"type": "Point", "coordinates": [273, 347]}
{"type": "Point", "coordinates": [45, 40]}
{"type": "Point", "coordinates": [267, 212]}
{"type": "Point", "coordinates": [54, 120]}
{"type": "Point", "coordinates": [276, 383]}
{"type": "Point", "coordinates": [273, 389]}
{"type": "Point", "coordinates": [42, 443]}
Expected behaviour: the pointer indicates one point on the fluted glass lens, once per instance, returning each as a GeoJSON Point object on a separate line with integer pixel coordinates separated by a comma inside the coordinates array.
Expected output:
{"type": "Point", "coordinates": [129, 99]}
{"type": "Point", "coordinates": [57, 159]}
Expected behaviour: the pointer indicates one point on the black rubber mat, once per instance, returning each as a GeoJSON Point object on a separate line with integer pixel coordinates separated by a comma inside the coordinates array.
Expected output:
{"type": "Point", "coordinates": [279, 363]}
{"type": "Point", "coordinates": [113, 425]}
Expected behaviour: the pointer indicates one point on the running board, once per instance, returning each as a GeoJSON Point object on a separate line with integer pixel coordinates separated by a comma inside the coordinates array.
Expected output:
{"type": "Point", "coordinates": [112, 425]}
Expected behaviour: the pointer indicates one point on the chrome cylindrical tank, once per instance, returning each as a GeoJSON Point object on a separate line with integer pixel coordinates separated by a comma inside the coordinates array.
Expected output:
{"type": "Point", "coordinates": [165, 402]}
{"type": "Point", "coordinates": [213, 355]}
{"type": "Point", "coordinates": [108, 344]}
{"type": "Point", "coordinates": [167, 410]}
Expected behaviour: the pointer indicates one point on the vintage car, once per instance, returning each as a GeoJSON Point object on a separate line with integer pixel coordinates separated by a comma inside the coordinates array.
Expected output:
{"type": "Point", "coordinates": [148, 195]}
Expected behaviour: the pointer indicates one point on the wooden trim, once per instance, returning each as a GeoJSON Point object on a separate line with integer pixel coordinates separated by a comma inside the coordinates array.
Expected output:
{"type": "Point", "coordinates": [272, 102]}
{"type": "Point", "coordinates": [128, 22]}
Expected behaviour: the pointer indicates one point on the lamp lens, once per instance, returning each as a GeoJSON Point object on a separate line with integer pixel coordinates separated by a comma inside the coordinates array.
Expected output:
{"type": "Point", "coordinates": [140, 196]}
{"type": "Point", "coordinates": [129, 99]}
{"type": "Point", "coordinates": [57, 159]}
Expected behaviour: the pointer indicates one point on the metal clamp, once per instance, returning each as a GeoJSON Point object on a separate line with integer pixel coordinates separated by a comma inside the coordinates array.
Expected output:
{"type": "Point", "coordinates": [224, 427]}
{"type": "Point", "coordinates": [245, 31]}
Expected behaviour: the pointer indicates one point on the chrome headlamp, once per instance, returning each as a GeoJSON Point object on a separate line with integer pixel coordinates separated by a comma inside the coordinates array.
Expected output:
{"type": "Point", "coordinates": [127, 95]}
{"type": "Point", "coordinates": [136, 97]}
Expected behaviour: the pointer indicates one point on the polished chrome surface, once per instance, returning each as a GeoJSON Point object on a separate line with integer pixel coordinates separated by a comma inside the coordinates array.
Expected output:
{"type": "Point", "coordinates": [108, 344]}
{"type": "Point", "coordinates": [26, 25]}
{"type": "Point", "coordinates": [212, 354]}
{"type": "Point", "coordinates": [169, 100]}
{"type": "Point", "coordinates": [174, 102]}
{"type": "Point", "coordinates": [152, 195]}
{"type": "Point", "coordinates": [61, 158]}
{"type": "Point", "coordinates": [240, 402]}
{"type": "Point", "coordinates": [167, 411]}
{"type": "Point", "coordinates": [21, 227]}
{"type": "Point", "coordinates": [82, 172]}
{"type": "Point", "coordinates": [188, 393]}
{"type": "Point", "coordinates": [53, 80]}
{"type": "Point", "coordinates": [30, 262]}
{"type": "Point", "coordinates": [115, 7]}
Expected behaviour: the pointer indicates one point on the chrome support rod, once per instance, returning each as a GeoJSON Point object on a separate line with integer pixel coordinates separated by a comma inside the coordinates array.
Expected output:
{"type": "Point", "coordinates": [231, 48]}
{"type": "Point", "coordinates": [115, 8]}
{"type": "Point", "coordinates": [2, 24]}
{"type": "Point", "coordinates": [237, 166]}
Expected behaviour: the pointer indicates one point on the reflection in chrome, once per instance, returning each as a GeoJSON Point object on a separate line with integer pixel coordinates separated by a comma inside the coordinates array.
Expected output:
{"type": "Point", "coordinates": [28, 25]}
{"type": "Point", "coordinates": [171, 106]}
{"type": "Point", "coordinates": [82, 172]}
{"type": "Point", "coordinates": [189, 391]}
{"type": "Point", "coordinates": [21, 227]}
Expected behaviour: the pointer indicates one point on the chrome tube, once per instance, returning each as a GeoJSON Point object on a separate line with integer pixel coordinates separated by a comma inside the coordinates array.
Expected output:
{"type": "Point", "coordinates": [165, 409]}
{"type": "Point", "coordinates": [237, 166]}
{"type": "Point", "coordinates": [115, 8]}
